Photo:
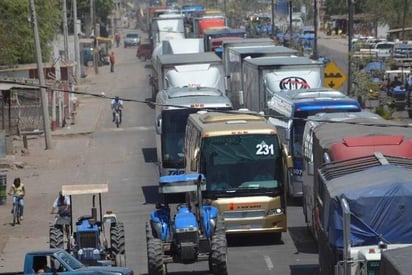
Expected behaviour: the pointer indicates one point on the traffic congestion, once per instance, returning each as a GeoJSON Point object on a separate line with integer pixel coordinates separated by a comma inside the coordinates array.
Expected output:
{"type": "Point", "coordinates": [230, 154]}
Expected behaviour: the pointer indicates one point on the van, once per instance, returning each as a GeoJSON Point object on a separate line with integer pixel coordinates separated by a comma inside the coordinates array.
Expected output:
{"type": "Point", "coordinates": [144, 52]}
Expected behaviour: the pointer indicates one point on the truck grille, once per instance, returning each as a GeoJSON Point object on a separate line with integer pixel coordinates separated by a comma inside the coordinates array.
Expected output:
{"type": "Point", "coordinates": [244, 214]}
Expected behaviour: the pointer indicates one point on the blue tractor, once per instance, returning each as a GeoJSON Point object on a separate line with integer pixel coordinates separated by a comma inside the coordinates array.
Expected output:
{"type": "Point", "coordinates": [96, 239]}
{"type": "Point", "coordinates": [193, 233]}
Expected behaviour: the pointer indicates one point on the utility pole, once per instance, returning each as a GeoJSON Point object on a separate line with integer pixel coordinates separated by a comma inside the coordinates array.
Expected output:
{"type": "Point", "coordinates": [273, 19]}
{"type": "Point", "coordinates": [290, 24]}
{"type": "Point", "coordinates": [350, 35]}
{"type": "Point", "coordinates": [76, 41]}
{"type": "Point", "coordinates": [315, 27]}
{"type": "Point", "coordinates": [44, 103]}
{"type": "Point", "coordinates": [65, 31]}
{"type": "Point", "coordinates": [95, 48]}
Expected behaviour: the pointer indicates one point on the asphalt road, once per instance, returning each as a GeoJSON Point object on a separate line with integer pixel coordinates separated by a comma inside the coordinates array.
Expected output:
{"type": "Point", "coordinates": [125, 158]}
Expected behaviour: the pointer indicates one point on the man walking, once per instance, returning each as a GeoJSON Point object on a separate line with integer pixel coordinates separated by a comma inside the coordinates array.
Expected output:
{"type": "Point", "coordinates": [112, 60]}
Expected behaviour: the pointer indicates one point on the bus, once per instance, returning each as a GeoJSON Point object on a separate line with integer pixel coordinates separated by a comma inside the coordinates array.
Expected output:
{"type": "Point", "coordinates": [288, 111]}
{"type": "Point", "coordinates": [240, 154]}
{"type": "Point", "coordinates": [172, 109]}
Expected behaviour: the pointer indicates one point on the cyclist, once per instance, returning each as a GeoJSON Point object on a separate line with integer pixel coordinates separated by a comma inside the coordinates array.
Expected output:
{"type": "Point", "coordinates": [117, 106]}
{"type": "Point", "coordinates": [62, 204]}
{"type": "Point", "coordinates": [17, 190]}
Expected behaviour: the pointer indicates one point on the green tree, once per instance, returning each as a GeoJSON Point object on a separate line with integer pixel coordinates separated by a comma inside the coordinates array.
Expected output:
{"type": "Point", "coordinates": [103, 10]}
{"type": "Point", "coordinates": [17, 39]}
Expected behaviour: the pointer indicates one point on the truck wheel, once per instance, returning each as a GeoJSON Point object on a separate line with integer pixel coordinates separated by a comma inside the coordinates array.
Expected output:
{"type": "Point", "coordinates": [121, 260]}
{"type": "Point", "coordinates": [155, 263]}
{"type": "Point", "coordinates": [218, 255]}
{"type": "Point", "coordinates": [56, 237]}
{"type": "Point", "coordinates": [277, 237]}
{"type": "Point", "coordinates": [117, 239]}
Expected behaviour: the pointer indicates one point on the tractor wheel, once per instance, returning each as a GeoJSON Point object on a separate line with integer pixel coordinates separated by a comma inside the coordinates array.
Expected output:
{"type": "Point", "coordinates": [120, 260]}
{"type": "Point", "coordinates": [117, 239]}
{"type": "Point", "coordinates": [56, 237]}
{"type": "Point", "coordinates": [218, 255]}
{"type": "Point", "coordinates": [155, 263]}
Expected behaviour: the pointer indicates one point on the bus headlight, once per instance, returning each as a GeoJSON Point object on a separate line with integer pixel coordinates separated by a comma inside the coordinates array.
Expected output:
{"type": "Point", "coordinates": [275, 211]}
{"type": "Point", "coordinates": [80, 252]}
{"type": "Point", "coordinates": [96, 251]}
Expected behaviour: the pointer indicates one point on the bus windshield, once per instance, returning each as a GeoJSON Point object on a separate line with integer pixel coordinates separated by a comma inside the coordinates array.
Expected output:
{"type": "Point", "coordinates": [173, 135]}
{"type": "Point", "coordinates": [241, 164]}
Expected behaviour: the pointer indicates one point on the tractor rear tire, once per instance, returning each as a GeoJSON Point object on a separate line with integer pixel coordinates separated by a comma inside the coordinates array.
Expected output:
{"type": "Point", "coordinates": [155, 263]}
{"type": "Point", "coordinates": [218, 255]}
{"type": "Point", "coordinates": [121, 260]}
{"type": "Point", "coordinates": [117, 239]}
{"type": "Point", "coordinates": [56, 237]}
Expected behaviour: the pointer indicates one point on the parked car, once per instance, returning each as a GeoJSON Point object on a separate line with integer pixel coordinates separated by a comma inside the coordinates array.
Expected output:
{"type": "Point", "coordinates": [144, 52]}
{"type": "Point", "coordinates": [131, 39]}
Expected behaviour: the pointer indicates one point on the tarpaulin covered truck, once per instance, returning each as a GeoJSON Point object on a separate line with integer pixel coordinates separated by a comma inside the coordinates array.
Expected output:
{"type": "Point", "coordinates": [365, 207]}
{"type": "Point", "coordinates": [348, 139]}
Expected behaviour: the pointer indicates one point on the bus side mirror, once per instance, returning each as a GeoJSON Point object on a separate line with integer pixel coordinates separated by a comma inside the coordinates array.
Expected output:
{"type": "Point", "coordinates": [241, 101]}
{"type": "Point", "coordinates": [158, 126]}
{"type": "Point", "coordinates": [310, 168]}
{"type": "Point", "coordinates": [289, 161]}
{"type": "Point", "coordinates": [193, 161]}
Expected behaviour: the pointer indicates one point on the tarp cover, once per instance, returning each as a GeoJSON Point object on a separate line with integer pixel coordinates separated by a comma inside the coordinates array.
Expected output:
{"type": "Point", "coordinates": [380, 200]}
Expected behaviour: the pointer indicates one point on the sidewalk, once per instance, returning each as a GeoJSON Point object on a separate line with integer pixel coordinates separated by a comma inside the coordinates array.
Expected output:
{"type": "Point", "coordinates": [88, 108]}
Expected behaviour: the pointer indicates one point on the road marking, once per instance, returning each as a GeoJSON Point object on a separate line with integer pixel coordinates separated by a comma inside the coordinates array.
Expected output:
{"type": "Point", "coordinates": [268, 261]}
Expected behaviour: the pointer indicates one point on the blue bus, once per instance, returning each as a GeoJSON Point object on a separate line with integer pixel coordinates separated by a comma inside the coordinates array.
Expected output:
{"type": "Point", "coordinates": [288, 111]}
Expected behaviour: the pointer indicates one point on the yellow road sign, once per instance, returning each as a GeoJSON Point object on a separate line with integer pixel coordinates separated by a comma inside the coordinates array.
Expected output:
{"type": "Point", "coordinates": [334, 77]}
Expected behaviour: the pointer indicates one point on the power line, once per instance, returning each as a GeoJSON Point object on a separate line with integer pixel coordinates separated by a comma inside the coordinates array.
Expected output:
{"type": "Point", "coordinates": [28, 84]}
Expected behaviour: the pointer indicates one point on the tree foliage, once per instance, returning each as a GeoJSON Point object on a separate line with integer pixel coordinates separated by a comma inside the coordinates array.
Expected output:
{"type": "Point", "coordinates": [17, 39]}
{"type": "Point", "coordinates": [391, 12]}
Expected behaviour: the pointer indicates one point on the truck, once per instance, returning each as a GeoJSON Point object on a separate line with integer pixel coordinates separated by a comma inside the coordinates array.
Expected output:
{"type": "Point", "coordinates": [177, 62]}
{"type": "Point", "coordinates": [288, 111]}
{"type": "Point", "coordinates": [95, 238]}
{"type": "Point", "coordinates": [207, 21]}
{"type": "Point", "coordinates": [234, 58]}
{"type": "Point", "coordinates": [172, 109]}
{"type": "Point", "coordinates": [213, 37]}
{"type": "Point", "coordinates": [240, 155]}
{"type": "Point", "coordinates": [364, 209]}
{"type": "Point", "coordinates": [193, 232]}
{"type": "Point", "coordinates": [264, 76]}
{"type": "Point", "coordinates": [342, 140]}
{"type": "Point", "coordinates": [396, 261]}
{"type": "Point", "coordinates": [167, 27]}
{"type": "Point", "coordinates": [60, 261]}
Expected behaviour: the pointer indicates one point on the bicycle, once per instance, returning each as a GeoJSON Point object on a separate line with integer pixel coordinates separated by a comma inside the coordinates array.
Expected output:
{"type": "Point", "coordinates": [117, 118]}
{"type": "Point", "coordinates": [17, 209]}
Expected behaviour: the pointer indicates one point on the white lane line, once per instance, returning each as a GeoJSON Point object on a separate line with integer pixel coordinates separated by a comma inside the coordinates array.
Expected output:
{"type": "Point", "coordinates": [268, 261]}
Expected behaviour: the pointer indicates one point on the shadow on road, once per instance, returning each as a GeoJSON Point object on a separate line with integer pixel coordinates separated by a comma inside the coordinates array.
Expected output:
{"type": "Point", "coordinates": [305, 269]}
{"type": "Point", "coordinates": [149, 155]}
{"type": "Point", "coordinates": [151, 194]}
{"type": "Point", "coordinates": [251, 240]}
{"type": "Point", "coordinates": [303, 240]}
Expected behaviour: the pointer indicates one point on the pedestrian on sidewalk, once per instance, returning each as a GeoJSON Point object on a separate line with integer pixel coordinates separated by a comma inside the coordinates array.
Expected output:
{"type": "Point", "coordinates": [112, 61]}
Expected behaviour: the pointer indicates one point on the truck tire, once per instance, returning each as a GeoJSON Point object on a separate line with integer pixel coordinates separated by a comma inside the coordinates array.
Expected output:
{"type": "Point", "coordinates": [56, 237]}
{"type": "Point", "coordinates": [155, 263]}
{"type": "Point", "coordinates": [117, 239]}
{"type": "Point", "coordinates": [218, 255]}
